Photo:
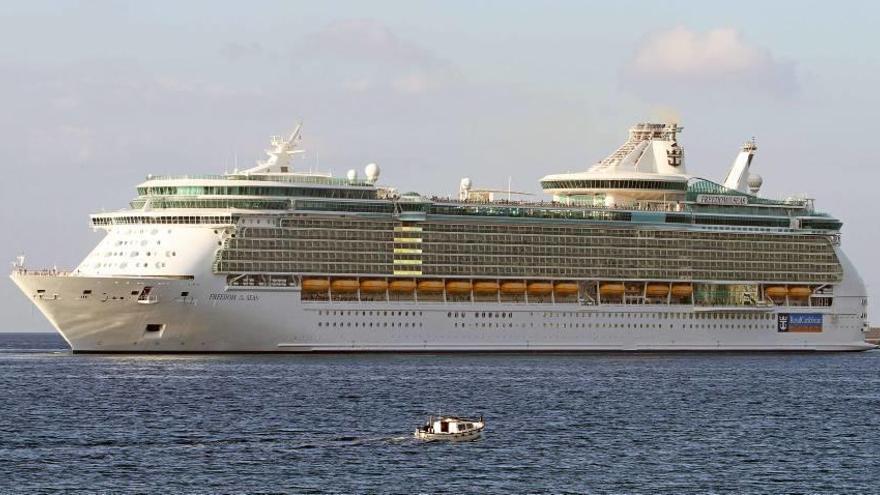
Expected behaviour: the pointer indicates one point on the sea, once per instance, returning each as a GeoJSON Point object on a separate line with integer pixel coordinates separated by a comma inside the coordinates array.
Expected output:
{"type": "Point", "coordinates": [621, 423]}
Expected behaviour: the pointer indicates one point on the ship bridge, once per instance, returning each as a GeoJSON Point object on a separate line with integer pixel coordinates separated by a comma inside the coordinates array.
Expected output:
{"type": "Point", "coordinates": [266, 186]}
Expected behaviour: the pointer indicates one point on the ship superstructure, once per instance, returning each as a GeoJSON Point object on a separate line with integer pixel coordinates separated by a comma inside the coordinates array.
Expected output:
{"type": "Point", "coordinates": [634, 253]}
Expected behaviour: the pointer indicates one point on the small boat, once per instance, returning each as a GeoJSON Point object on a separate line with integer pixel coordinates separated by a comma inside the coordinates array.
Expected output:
{"type": "Point", "coordinates": [450, 428]}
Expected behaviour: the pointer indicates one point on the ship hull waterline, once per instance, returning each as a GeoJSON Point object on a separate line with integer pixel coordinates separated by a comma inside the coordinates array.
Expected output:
{"type": "Point", "coordinates": [209, 318]}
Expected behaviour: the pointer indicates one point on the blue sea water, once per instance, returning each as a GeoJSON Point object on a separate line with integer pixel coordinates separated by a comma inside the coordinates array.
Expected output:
{"type": "Point", "coordinates": [595, 423]}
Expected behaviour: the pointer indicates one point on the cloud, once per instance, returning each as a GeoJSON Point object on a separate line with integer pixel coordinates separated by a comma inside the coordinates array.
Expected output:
{"type": "Point", "coordinates": [361, 55]}
{"type": "Point", "coordinates": [238, 51]}
{"type": "Point", "coordinates": [718, 59]}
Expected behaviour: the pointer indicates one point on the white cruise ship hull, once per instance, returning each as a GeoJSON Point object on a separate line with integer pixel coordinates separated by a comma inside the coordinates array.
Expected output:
{"type": "Point", "coordinates": [202, 315]}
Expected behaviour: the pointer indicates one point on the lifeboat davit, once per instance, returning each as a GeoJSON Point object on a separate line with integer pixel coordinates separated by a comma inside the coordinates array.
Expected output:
{"type": "Point", "coordinates": [799, 292]}
{"type": "Point", "coordinates": [612, 289]}
{"type": "Point", "coordinates": [540, 288]}
{"type": "Point", "coordinates": [565, 288]}
{"type": "Point", "coordinates": [402, 286]}
{"type": "Point", "coordinates": [682, 290]}
{"type": "Point", "coordinates": [513, 288]}
{"type": "Point", "coordinates": [432, 286]}
{"type": "Point", "coordinates": [315, 284]}
{"type": "Point", "coordinates": [486, 287]}
{"type": "Point", "coordinates": [374, 285]}
{"type": "Point", "coordinates": [344, 285]}
{"type": "Point", "coordinates": [776, 292]}
{"type": "Point", "coordinates": [657, 290]}
{"type": "Point", "coordinates": [458, 287]}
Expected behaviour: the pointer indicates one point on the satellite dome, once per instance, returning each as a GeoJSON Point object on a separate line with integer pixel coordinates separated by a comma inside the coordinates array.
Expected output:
{"type": "Point", "coordinates": [466, 183]}
{"type": "Point", "coordinates": [352, 175]}
{"type": "Point", "coordinates": [372, 172]}
{"type": "Point", "coordinates": [755, 183]}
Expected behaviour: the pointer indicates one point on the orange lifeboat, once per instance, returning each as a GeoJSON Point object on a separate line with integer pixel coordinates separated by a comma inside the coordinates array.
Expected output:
{"type": "Point", "coordinates": [513, 288]}
{"type": "Point", "coordinates": [565, 288]}
{"type": "Point", "coordinates": [402, 286]}
{"type": "Point", "coordinates": [486, 287]}
{"type": "Point", "coordinates": [612, 289]}
{"type": "Point", "coordinates": [682, 290]}
{"type": "Point", "coordinates": [776, 292]}
{"type": "Point", "coordinates": [540, 288]}
{"type": "Point", "coordinates": [799, 292]}
{"type": "Point", "coordinates": [315, 284]}
{"type": "Point", "coordinates": [374, 285]}
{"type": "Point", "coordinates": [458, 287]}
{"type": "Point", "coordinates": [344, 285]}
{"type": "Point", "coordinates": [657, 290]}
{"type": "Point", "coordinates": [433, 286]}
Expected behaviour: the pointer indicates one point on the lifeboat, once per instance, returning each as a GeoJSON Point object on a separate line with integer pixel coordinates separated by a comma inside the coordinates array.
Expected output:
{"type": "Point", "coordinates": [458, 286]}
{"type": "Point", "coordinates": [315, 284]}
{"type": "Point", "coordinates": [611, 289]}
{"type": "Point", "coordinates": [431, 286]}
{"type": "Point", "coordinates": [402, 286]}
{"type": "Point", "coordinates": [486, 287]}
{"type": "Point", "coordinates": [799, 292]}
{"type": "Point", "coordinates": [565, 288]}
{"type": "Point", "coordinates": [513, 288]}
{"type": "Point", "coordinates": [657, 290]}
{"type": "Point", "coordinates": [776, 292]}
{"type": "Point", "coordinates": [374, 285]}
{"type": "Point", "coordinates": [344, 285]}
{"type": "Point", "coordinates": [540, 288]}
{"type": "Point", "coordinates": [682, 290]}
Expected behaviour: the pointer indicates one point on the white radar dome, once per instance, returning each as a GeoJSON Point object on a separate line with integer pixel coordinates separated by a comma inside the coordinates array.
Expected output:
{"type": "Point", "coordinates": [352, 175]}
{"type": "Point", "coordinates": [372, 172]}
{"type": "Point", "coordinates": [466, 183]}
{"type": "Point", "coordinates": [755, 183]}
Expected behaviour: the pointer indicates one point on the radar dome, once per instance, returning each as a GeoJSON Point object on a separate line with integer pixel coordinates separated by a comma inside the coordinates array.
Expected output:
{"type": "Point", "coordinates": [466, 183]}
{"type": "Point", "coordinates": [372, 172]}
{"type": "Point", "coordinates": [755, 183]}
{"type": "Point", "coordinates": [352, 175]}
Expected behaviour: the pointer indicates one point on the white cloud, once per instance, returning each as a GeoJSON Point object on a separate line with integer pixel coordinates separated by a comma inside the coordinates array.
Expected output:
{"type": "Point", "coordinates": [718, 58]}
{"type": "Point", "coordinates": [365, 55]}
{"type": "Point", "coordinates": [234, 51]}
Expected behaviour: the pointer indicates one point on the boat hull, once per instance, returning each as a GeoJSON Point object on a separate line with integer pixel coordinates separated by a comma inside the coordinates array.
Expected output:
{"type": "Point", "coordinates": [448, 437]}
{"type": "Point", "coordinates": [202, 314]}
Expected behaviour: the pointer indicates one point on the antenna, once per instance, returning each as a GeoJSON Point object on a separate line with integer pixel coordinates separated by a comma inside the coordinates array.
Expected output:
{"type": "Point", "coordinates": [509, 178]}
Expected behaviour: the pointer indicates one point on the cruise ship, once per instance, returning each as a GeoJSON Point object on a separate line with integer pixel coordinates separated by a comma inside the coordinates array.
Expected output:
{"type": "Point", "coordinates": [633, 253]}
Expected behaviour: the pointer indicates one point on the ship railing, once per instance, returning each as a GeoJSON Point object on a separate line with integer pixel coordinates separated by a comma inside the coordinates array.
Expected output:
{"type": "Point", "coordinates": [669, 206]}
{"type": "Point", "coordinates": [296, 179]}
{"type": "Point", "coordinates": [46, 272]}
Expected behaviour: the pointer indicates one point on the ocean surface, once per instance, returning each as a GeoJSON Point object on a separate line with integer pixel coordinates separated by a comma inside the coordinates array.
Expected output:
{"type": "Point", "coordinates": [596, 423]}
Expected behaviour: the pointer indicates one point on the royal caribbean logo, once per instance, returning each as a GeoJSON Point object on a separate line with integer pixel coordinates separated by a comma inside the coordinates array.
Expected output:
{"type": "Point", "coordinates": [799, 322]}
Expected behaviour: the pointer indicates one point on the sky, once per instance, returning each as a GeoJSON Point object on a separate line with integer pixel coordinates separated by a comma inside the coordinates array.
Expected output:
{"type": "Point", "coordinates": [96, 95]}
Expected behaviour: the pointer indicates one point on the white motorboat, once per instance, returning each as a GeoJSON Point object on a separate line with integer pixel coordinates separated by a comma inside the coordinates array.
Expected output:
{"type": "Point", "coordinates": [450, 428]}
